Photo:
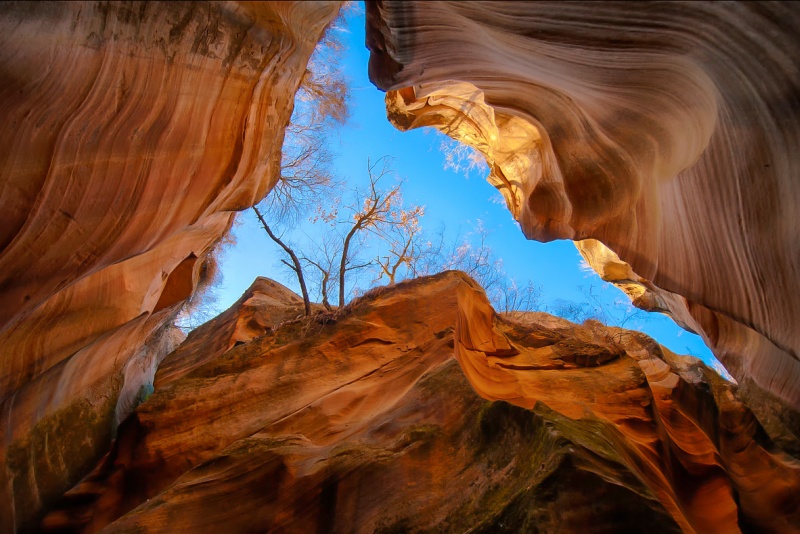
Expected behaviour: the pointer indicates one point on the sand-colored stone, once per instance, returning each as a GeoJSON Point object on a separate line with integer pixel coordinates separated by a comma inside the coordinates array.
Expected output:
{"type": "Point", "coordinates": [361, 420]}
{"type": "Point", "coordinates": [667, 132]}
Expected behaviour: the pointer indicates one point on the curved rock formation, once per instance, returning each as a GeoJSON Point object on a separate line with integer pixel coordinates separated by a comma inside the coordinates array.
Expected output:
{"type": "Point", "coordinates": [131, 134]}
{"type": "Point", "coordinates": [362, 421]}
{"type": "Point", "coordinates": [133, 131]}
{"type": "Point", "coordinates": [665, 131]}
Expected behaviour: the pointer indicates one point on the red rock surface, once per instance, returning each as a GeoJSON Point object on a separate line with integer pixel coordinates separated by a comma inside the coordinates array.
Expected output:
{"type": "Point", "coordinates": [362, 421]}
{"type": "Point", "coordinates": [133, 131]}
{"type": "Point", "coordinates": [131, 134]}
{"type": "Point", "coordinates": [264, 305]}
{"type": "Point", "coordinates": [667, 132]}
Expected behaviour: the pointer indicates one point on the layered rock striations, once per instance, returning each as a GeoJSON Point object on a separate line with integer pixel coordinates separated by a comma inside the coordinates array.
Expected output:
{"type": "Point", "coordinates": [417, 408]}
{"type": "Point", "coordinates": [666, 132]}
{"type": "Point", "coordinates": [131, 134]}
{"type": "Point", "coordinates": [663, 137]}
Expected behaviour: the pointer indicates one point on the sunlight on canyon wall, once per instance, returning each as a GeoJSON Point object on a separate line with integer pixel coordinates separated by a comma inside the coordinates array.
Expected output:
{"type": "Point", "coordinates": [665, 132]}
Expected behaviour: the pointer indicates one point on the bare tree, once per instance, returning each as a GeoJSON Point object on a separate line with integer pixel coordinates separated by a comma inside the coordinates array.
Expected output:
{"type": "Point", "coordinates": [460, 157]}
{"type": "Point", "coordinates": [401, 253]}
{"type": "Point", "coordinates": [513, 298]}
{"type": "Point", "coordinates": [321, 105]}
{"type": "Point", "coordinates": [324, 257]}
{"type": "Point", "coordinates": [479, 261]}
{"type": "Point", "coordinates": [306, 163]}
{"type": "Point", "coordinates": [295, 266]}
{"type": "Point", "coordinates": [470, 254]}
{"type": "Point", "coordinates": [375, 211]}
{"type": "Point", "coordinates": [619, 313]}
{"type": "Point", "coordinates": [404, 247]}
{"type": "Point", "coordinates": [325, 276]}
{"type": "Point", "coordinates": [372, 211]}
{"type": "Point", "coordinates": [473, 255]}
{"type": "Point", "coordinates": [577, 312]}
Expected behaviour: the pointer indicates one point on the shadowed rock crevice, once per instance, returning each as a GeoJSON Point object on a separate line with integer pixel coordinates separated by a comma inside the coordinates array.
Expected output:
{"type": "Point", "coordinates": [179, 285]}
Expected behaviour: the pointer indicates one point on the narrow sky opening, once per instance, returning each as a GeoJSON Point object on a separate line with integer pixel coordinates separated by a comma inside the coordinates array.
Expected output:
{"type": "Point", "coordinates": [451, 199]}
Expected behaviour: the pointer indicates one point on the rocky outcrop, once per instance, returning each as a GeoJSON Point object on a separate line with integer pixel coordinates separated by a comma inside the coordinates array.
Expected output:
{"type": "Point", "coordinates": [131, 134]}
{"type": "Point", "coordinates": [666, 132]}
{"type": "Point", "coordinates": [363, 420]}
{"type": "Point", "coordinates": [264, 305]}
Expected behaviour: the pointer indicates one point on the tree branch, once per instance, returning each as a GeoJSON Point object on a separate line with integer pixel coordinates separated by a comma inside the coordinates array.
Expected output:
{"type": "Point", "coordinates": [298, 269]}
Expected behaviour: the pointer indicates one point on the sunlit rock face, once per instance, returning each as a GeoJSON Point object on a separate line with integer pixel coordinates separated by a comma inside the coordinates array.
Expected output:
{"type": "Point", "coordinates": [131, 132]}
{"type": "Point", "coordinates": [667, 132]}
{"type": "Point", "coordinates": [417, 408]}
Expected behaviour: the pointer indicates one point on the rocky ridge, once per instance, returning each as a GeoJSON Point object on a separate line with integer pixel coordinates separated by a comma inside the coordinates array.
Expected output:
{"type": "Point", "coordinates": [419, 408]}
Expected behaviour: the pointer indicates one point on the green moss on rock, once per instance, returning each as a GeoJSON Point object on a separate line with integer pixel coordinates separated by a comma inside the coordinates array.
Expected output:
{"type": "Point", "coordinates": [59, 450]}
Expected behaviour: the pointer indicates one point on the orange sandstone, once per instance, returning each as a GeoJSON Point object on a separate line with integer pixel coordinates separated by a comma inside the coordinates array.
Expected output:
{"type": "Point", "coordinates": [361, 420]}
{"type": "Point", "coordinates": [666, 133]}
{"type": "Point", "coordinates": [132, 133]}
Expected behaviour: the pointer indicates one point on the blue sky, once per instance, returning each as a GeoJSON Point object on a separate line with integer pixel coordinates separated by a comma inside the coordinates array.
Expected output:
{"type": "Point", "coordinates": [449, 197]}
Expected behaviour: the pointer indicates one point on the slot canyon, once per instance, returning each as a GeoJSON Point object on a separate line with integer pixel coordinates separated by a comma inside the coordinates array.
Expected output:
{"type": "Point", "coordinates": [662, 138]}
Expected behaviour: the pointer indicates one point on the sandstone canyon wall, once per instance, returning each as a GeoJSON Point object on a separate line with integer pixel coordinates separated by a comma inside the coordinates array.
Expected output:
{"type": "Point", "coordinates": [663, 138]}
{"type": "Point", "coordinates": [131, 134]}
{"type": "Point", "coordinates": [369, 419]}
{"type": "Point", "coordinates": [664, 132]}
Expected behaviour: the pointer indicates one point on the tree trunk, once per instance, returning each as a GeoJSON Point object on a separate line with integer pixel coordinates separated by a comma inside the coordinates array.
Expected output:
{"type": "Point", "coordinates": [325, 277]}
{"type": "Point", "coordinates": [298, 269]}
{"type": "Point", "coordinates": [343, 263]}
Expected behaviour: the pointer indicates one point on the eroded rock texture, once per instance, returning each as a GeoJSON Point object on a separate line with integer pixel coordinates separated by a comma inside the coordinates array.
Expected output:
{"type": "Point", "coordinates": [365, 421]}
{"type": "Point", "coordinates": [668, 132]}
{"type": "Point", "coordinates": [131, 132]}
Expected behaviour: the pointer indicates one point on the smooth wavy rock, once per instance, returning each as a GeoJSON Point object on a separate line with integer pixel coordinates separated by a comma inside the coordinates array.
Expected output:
{"type": "Point", "coordinates": [364, 421]}
{"type": "Point", "coordinates": [131, 134]}
{"type": "Point", "coordinates": [666, 131]}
